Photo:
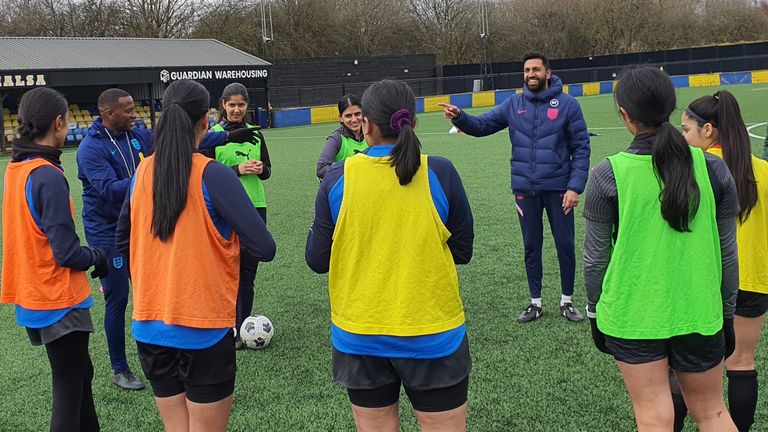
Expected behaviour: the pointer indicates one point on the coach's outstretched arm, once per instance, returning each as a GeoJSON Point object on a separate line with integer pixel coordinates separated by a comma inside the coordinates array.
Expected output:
{"type": "Point", "coordinates": [480, 126]}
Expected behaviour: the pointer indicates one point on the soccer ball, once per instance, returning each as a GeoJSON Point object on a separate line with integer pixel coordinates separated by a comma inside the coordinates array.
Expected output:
{"type": "Point", "coordinates": [257, 331]}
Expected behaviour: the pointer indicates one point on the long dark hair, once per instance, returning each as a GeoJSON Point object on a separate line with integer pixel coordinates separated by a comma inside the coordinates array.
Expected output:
{"type": "Point", "coordinates": [722, 111]}
{"type": "Point", "coordinates": [647, 95]}
{"type": "Point", "coordinates": [391, 106]}
{"type": "Point", "coordinates": [233, 89]}
{"type": "Point", "coordinates": [347, 101]}
{"type": "Point", "coordinates": [185, 102]}
{"type": "Point", "coordinates": [38, 109]}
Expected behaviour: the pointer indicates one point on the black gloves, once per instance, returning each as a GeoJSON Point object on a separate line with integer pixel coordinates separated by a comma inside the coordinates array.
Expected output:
{"type": "Point", "coordinates": [243, 135]}
{"type": "Point", "coordinates": [730, 336]}
{"type": "Point", "coordinates": [100, 268]}
{"type": "Point", "coordinates": [597, 336]}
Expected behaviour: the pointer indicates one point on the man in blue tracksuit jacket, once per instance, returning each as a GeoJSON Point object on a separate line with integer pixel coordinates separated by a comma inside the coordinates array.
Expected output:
{"type": "Point", "coordinates": [550, 163]}
{"type": "Point", "coordinates": [107, 158]}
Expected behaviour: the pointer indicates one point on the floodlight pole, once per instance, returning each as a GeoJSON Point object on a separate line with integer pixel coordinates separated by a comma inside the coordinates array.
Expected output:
{"type": "Point", "coordinates": [485, 65]}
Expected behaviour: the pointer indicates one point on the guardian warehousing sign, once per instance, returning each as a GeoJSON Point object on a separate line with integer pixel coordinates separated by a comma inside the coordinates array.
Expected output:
{"type": "Point", "coordinates": [167, 76]}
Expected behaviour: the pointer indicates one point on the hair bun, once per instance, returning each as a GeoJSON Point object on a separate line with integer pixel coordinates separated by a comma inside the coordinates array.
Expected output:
{"type": "Point", "coordinates": [26, 129]}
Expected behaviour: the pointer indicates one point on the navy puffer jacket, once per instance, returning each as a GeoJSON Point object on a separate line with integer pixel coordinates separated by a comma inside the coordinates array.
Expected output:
{"type": "Point", "coordinates": [550, 141]}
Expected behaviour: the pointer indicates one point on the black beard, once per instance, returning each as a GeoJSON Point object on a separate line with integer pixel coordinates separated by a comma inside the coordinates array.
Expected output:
{"type": "Point", "coordinates": [537, 89]}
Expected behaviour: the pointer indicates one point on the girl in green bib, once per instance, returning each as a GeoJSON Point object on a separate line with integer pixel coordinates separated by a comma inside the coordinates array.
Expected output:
{"type": "Point", "coordinates": [660, 260]}
{"type": "Point", "coordinates": [250, 161]}
{"type": "Point", "coordinates": [347, 139]}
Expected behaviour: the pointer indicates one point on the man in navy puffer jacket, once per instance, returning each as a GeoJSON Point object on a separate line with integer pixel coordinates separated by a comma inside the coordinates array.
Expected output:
{"type": "Point", "coordinates": [549, 164]}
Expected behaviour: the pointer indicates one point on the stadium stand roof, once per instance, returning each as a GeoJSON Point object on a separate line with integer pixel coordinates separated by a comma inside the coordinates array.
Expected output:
{"type": "Point", "coordinates": [83, 67]}
{"type": "Point", "coordinates": [57, 53]}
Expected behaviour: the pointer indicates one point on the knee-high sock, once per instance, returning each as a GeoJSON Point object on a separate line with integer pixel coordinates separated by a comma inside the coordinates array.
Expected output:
{"type": "Point", "coordinates": [742, 398]}
{"type": "Point", "coordinates": [681, 411]}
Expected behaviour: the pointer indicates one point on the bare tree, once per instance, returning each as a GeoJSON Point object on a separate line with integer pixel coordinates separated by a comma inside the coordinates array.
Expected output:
{"type": "Point", "coordinates": [450, 27]}
{"type": "Point", "coordinates": [160, 18]}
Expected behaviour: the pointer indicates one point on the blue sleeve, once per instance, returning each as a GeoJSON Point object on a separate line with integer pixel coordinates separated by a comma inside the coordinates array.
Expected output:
{"type": "Point", "coordinates": [93, 164]}
{"type": "Point", "coordinates": [233, 205]}
{"type": "Point", "coordinates": [320, 237]}
{"type": "Point", "coordinates": [212, 140]}
{"type": "Point", "coordinates": [459, 222]}
{"type": "Point", "coordinates": [578, 146]}
{"type": "Point", "coordinates": [485, 124]}
{"type": "Point", "coordinates": [123, 230]}
{"type": "Point", "coordinates": [49, 192]}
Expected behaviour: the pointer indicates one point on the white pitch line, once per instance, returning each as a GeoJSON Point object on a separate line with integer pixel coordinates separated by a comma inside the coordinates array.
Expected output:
{"type": "Point", "coordinates": [749, 129]}
{"type": "Point", "coordinates": [759, 89]}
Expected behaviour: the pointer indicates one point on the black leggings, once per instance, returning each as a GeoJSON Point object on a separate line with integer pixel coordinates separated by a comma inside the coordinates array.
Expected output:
{"type": "Point", "coordinates": [72, 372]}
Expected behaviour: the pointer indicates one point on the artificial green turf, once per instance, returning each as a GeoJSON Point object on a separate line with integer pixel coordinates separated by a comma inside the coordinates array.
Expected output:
{"type": "Point", "coordinates": [543, 376]}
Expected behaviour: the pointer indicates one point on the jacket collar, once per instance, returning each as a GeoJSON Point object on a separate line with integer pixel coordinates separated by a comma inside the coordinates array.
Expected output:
{"type": "Point", "coordinates": [97, 130]}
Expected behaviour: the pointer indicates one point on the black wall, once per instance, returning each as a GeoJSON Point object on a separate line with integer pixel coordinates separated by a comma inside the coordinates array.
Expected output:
{"type": "Point", "coordinates": [321, 81]}
{"type": "Point", "coordinates": [686, 61]}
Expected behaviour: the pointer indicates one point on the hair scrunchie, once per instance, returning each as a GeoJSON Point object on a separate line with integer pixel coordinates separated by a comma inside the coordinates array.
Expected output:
{"type": "Point", "coordinates": [400, 118]}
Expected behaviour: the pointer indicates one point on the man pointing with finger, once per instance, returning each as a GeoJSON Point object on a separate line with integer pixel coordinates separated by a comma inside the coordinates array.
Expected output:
{"type": "Point", "coordinates": [549, 163]}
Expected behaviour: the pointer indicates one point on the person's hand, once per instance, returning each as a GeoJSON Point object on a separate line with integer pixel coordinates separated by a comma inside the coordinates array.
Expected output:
{"type": "Point", "coordinates": [570, 200]}
{"type": "Point", "coordinates": [249, 167]}
{"type": "Point", "coordinates": [100, 267]}
{"type": "Point", "coordinates": [241, 135]}
{"type": "Point", "coordinates": [257, 166]}
{"type": "Point", "coordinates": [449, 111]}
{"type": "Point", "coordinates": [730, 336]}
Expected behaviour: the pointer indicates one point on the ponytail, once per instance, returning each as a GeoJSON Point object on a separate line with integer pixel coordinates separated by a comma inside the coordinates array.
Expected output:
{"type": "Point", "coordinates": [648, 97]}
{"type": "Point", "coordinates": [722, 111]}
{"type": "Point", "coordinates": [406, 156]}
{"type": "Point", "coordinates": [391, 106]}
{"type": "Point", "coordinates": [184, 102]}
{"type": "Point", "coordinates": [673, 165]}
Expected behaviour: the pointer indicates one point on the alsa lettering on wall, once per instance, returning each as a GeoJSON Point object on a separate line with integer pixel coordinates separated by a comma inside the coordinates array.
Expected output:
{"type": "Point", "coordinates": [167, 76]}
{"type": "Point", "coordinates": [22, 80]}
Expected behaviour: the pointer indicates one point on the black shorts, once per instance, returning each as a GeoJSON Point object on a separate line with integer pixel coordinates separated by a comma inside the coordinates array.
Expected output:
{"type": "Point", "coordinates": [751, 304]}
{"type": "Point", "coordinates": [206, 375]}
{"type": "Point", "coordinates": [432, 385]}
{"type": "Point", "coordinates": [687, 353]}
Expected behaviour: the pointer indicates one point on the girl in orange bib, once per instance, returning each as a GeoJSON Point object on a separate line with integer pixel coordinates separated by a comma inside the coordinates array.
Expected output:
{"type": "Point", "coordinates": [43, 262]}
{"type": "Point", "coordinates": [183, 223]}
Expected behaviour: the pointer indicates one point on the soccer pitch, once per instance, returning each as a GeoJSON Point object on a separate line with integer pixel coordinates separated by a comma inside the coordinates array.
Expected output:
{"type": "Point", "coordinates": [542, 376]}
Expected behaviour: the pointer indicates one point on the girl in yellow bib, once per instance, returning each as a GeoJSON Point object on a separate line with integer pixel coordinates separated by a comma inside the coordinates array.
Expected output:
{"type": "Point", "coordinates": [714, 124]}
{"type": "Point", "coordinates": [390, 226]}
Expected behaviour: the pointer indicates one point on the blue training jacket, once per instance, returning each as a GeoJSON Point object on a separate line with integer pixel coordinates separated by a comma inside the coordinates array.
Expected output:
{"type": "Point", "coordinates": [550, 141]}
{"type": "Point", "coordinates": [105, 168]}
